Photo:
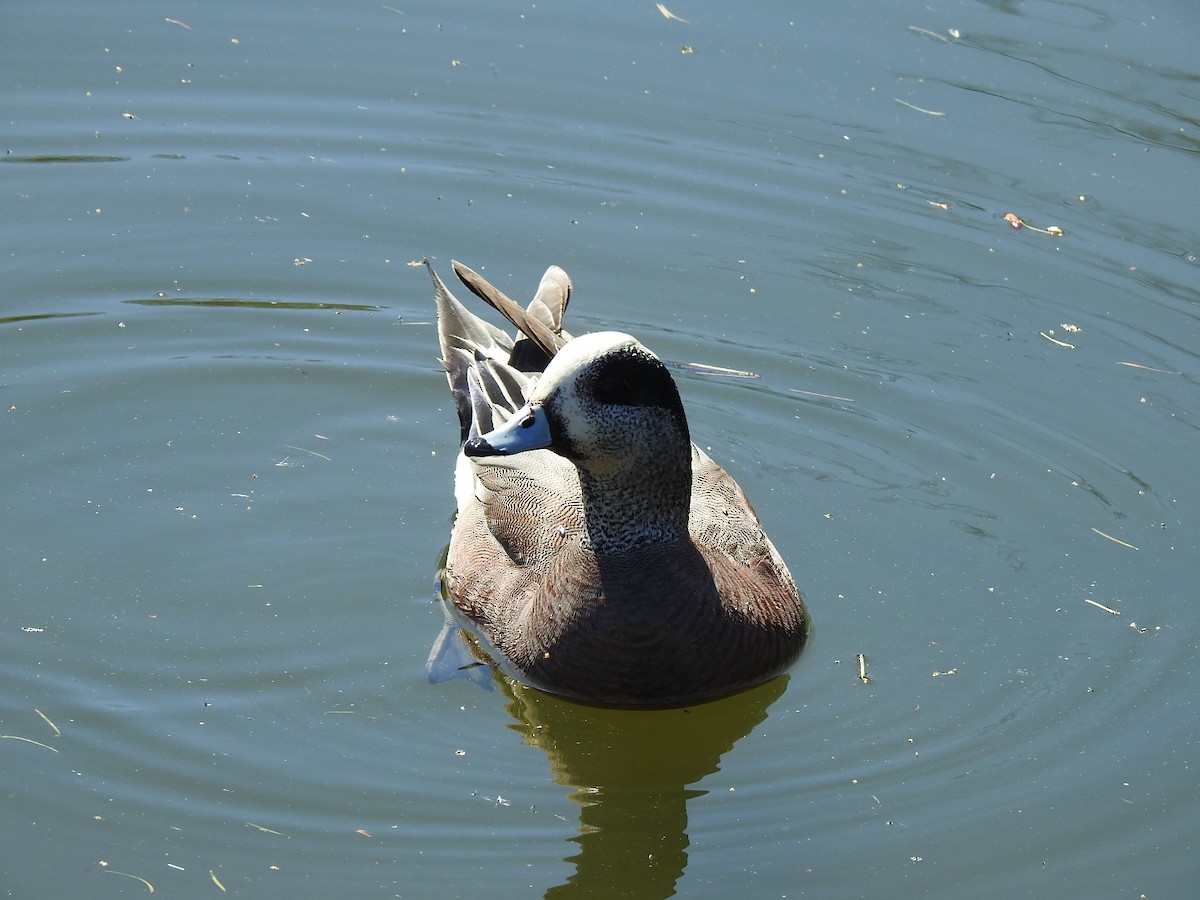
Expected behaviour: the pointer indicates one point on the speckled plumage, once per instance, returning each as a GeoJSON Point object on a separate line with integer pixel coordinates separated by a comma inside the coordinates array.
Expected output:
{"type": "Point", "coordinates": [615, 563]}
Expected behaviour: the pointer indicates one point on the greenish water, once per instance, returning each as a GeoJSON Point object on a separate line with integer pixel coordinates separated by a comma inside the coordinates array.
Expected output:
{"type": "Point", "coordinates": [228, 447]}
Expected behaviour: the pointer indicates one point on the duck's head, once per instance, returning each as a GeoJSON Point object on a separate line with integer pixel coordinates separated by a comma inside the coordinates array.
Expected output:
{"type": "Point", "coordinates": [603, 401]}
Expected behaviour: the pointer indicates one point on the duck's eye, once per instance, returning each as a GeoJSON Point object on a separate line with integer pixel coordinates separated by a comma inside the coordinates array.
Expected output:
{"type": "Point", "coordinates": [610, 389]}
{"type": "Point", "coordinates": [528, 421]}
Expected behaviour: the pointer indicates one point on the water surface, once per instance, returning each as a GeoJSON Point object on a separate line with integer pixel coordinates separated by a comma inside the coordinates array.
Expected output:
{"type": "Point", "coordinates": [228, 446]}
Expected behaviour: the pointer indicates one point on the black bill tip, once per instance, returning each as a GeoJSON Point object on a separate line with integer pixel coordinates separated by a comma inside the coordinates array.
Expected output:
{"type": "Point", "coordinates": [480, 447]}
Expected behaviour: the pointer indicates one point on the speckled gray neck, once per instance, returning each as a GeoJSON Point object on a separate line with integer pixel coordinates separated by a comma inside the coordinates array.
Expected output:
{"type": "Point", "coordinates": [641, 504]}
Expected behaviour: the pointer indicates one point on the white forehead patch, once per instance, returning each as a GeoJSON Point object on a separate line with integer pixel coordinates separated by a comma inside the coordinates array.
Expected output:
{"type": "Point", "coordinates": [580, 353]}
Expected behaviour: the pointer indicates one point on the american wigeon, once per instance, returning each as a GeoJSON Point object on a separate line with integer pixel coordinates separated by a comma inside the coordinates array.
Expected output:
{"type": "Point", "coordinates": [597, 553]}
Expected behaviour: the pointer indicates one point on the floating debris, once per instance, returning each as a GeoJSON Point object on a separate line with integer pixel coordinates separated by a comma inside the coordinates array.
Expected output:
{"type": "Point", "coordinates": [706, 369]}
{"type": "Point", "coordinates": [148, 885]}
{"type": "Point", "coordinates": [1113, 539]}
{"type": "Point", "coordinates": [17, 737]}
{"type": "Point", "coordinates": [1149, 368]}
{"type": "Point", "coordinates": [920, 109]}
{"type": "Point", "coordinates": [1107, 609]}
{"type": "Point", "coordinates": [312, 452]}
{"type": "Point", "coordinates": [46, 719]}
{"type": "Point", "coordinates": [1017, 222]}
{"type": "Point", "coordinates": [925, 32]}
{"type": "Point", "coordinates": [266, 830]}
{"type": "Point", "coordinates": [667, 14]}
{"type": "Point", "coordinates": [1052, 339]}
{"type": "Point", "coordinates": [822, 396]}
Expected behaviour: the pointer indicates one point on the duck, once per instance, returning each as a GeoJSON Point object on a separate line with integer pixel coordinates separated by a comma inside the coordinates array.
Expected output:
{"type": "Point", "coordinates": [597, 553]}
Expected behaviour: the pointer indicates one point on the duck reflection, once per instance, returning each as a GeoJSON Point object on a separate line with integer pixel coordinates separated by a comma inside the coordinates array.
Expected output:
{"type": "Point", "coordinates": [631, 772]}
{"type": "Point", "coordinates": [629, 769]}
